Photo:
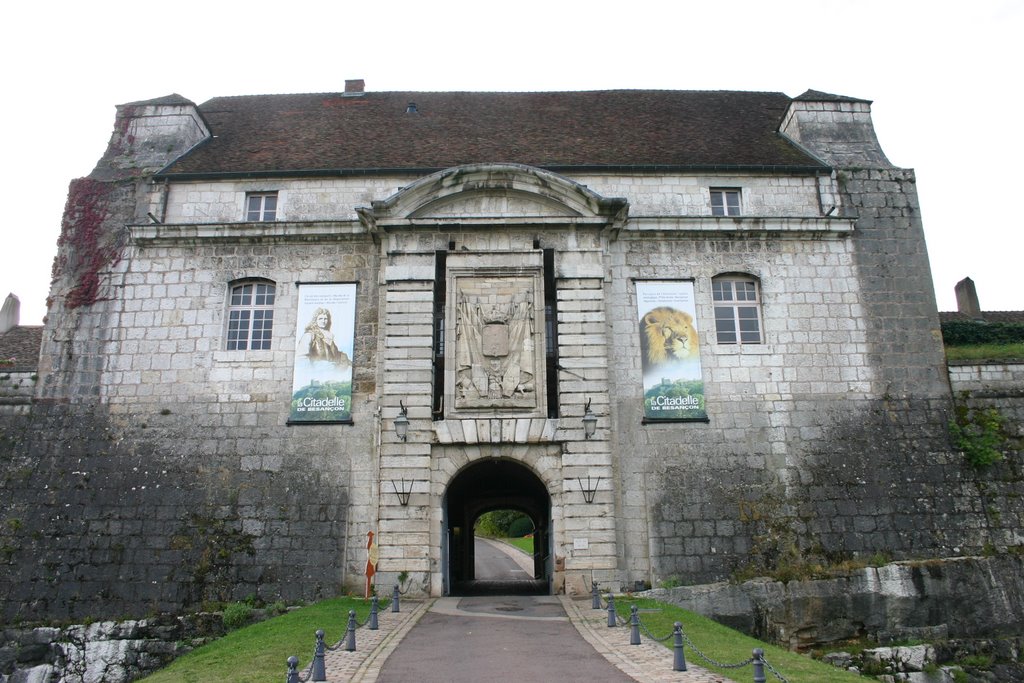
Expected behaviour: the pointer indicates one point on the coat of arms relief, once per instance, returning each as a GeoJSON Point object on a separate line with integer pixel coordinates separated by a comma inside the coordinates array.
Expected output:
{"type": "Point", "coordinates": [498, 345]}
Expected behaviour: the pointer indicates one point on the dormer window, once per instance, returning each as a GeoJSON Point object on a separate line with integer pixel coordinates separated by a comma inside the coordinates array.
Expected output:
{"type": "Point", "coordinates": [725, 201]}
{"type": "Point", "coordinates": [261, 206]}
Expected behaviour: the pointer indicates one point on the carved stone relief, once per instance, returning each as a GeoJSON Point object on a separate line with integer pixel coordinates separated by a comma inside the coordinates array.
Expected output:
{"type": "Point", "coordinates": [497, 343]}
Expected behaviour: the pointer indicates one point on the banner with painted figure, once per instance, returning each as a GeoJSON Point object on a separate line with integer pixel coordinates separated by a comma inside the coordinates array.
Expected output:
{"type": "Point", "coordinates": [324, 337]}
{"type": "Point", "coordinates": [673, 383]}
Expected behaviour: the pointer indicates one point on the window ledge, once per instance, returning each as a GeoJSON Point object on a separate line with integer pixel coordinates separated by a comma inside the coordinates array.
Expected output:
{"type": "Point", "coordinates": [742, 349]}
{"type": "Point", "coordinates": [263, 356]}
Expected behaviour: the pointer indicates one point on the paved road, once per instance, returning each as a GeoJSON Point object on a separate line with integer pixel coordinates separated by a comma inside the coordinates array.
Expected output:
{"type": "Point", "coordinates": [493, 639]}
{"type": "Point", "coordinates": [494, 564]}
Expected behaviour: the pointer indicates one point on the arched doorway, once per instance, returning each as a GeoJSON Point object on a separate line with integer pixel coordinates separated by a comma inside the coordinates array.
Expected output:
{"type": "Point", "coordinates": [487, 485]}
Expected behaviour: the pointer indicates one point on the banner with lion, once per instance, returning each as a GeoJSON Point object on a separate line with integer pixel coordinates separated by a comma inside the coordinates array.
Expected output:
{"type": "Point", "coordinates": [670, 351]}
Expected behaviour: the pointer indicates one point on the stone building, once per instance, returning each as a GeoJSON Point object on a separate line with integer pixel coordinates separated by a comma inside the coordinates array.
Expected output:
{"type": "Point", "coordinates": [687, 333]}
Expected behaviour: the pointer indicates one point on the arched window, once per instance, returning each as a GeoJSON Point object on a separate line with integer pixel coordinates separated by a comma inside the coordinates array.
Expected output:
{"type": "Point", "coordinates": [250, 315]}
{"type": "Point", "coordinates": [737, 299]}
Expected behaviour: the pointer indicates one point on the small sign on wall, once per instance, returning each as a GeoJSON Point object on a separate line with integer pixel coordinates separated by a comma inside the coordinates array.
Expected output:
{"type": "Point", "coordinates": [580, 543]}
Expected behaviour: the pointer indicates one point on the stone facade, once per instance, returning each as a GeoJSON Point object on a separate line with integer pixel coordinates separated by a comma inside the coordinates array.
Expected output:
{"type": "Point", "coordinates": [496, 308]}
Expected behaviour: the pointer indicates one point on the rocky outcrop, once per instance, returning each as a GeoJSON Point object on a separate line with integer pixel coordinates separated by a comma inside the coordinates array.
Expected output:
{"type": "Point", "coordinates": [968, 597]}
{"type": "Point", "coordinates": [102, 652]}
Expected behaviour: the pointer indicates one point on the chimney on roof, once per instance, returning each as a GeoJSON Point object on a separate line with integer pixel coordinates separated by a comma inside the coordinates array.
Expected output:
{"type": "Point", "coordinates": [967, 299]}
{"type": "Point", "coordinates": [355, 86]}
{"type": "Point", "coordinates": [10, 314]}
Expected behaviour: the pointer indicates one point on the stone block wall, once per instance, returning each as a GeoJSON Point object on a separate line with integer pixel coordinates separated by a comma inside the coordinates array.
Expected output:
{"type": "Point", "coordinates": [16, 390]}
{"type": "Point", "coordinates": [178, 481]}
{"type": "Point", "coordinates": [334, 199]}
{"type": "Point", "coordinates": [829, 440]}
{"type": "Point", "coordinates": [105, 515]}
{"type": "Point", "coordinates": [998, 385]}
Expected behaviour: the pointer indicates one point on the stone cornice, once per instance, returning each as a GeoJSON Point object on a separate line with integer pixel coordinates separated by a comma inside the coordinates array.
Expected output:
{"type": "Point", "coordinates": [799, 225]}
{"type": "Point", "coordinates": [276, 231]}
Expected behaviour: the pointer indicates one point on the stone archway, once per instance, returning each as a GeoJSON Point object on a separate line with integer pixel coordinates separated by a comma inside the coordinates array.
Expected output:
{"type": "Point", "coordinates": [494, 484]}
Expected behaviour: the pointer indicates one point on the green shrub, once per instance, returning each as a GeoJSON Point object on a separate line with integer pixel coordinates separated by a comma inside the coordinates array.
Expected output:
{"type": "Point", "coordinates": [497, 523]}
{"type": "Point", "coordinates": [977, 661]}
{"type": "Point", "coordinates": [979, 434]}
{"type": "Point", "coordinates": [966, 332]}
{"type": "Point", "coordinates": [236, 615]}
{"type": "Point", "coordinates": [520, 527]}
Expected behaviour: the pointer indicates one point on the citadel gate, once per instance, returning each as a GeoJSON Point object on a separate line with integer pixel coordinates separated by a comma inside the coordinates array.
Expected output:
{"type": "Point", "coordinates": [494, 484]}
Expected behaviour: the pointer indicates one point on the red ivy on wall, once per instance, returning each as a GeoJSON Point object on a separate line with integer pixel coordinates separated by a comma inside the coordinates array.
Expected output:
{"type": "Point", "coordinates": [82, 247]}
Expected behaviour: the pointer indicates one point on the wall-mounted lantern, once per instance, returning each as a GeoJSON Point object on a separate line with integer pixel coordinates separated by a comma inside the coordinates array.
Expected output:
{"type": "Point", "coordinates": [589, 421]}
{"type": "Point", "coordinates": [403, 489]}
{"type": "Point", "coordinates": [589, 489]}
{"type": "Point", "coordinates": [402, 422]}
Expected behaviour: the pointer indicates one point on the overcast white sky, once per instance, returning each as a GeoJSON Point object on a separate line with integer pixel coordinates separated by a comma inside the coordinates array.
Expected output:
{"type": "Point", "coordinates": [945, 78]}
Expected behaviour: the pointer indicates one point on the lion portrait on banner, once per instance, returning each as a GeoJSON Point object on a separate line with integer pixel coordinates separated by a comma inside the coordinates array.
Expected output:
{"type": "Point", "coordinates": [667, 336]}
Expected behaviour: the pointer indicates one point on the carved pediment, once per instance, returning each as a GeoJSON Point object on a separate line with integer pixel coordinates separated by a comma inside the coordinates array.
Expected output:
{"type": "Point", "coordinates": [493, 204]}
{"type": "Point", "coordinates": [494, 191]}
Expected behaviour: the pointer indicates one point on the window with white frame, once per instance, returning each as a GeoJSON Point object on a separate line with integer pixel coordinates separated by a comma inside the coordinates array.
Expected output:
{"type": "Point", "coordinates": [250, 315]}
{"type": "Point", "coordinates": [261, 206]}
{"type": "Point", "coordinates": [737, 300]}
{"type": "Point", "coordinates": [725, 202]}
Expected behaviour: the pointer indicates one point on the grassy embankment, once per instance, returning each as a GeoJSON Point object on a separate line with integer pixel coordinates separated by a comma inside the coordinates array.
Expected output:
{"type": "Point", "coordinates": [726, 645]}
{"type": "Point", "coordinates": [258, 653]}
{"type": "Point", "coordinates": [986, 352]}
{"type": "Point", "coordinates": [525, 544]}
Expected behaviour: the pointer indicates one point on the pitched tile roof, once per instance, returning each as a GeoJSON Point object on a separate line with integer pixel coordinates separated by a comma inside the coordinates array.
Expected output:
{"type": "Point", "coordinates": [19, 347]}
{"type": "Point", "coordinates": [617, 129]}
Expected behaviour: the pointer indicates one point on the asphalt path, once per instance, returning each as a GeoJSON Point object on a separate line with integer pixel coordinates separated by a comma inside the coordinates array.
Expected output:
{"type": "Point", "coordinates": [494, 639]}
{"type": "Point", "coordinates": [493, 564]}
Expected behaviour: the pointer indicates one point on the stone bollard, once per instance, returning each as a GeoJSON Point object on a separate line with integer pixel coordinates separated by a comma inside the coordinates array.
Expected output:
{"type": "Point", "coordinates": [293, 670]}
{"type": "Point", "coordinates": [634, 626]}
{"type": "Point", "coordinates": [350, 638]}
{"type": "Point", "coordinates": [595, 596]}
{"type": "Point", "coordinates": [394, 599]}
{"type": "Point", "coordinates": [319, 673]}
{"type": "Point", "coordinates": [759, 676]}
{"type": "Point", "coordinates": [611, 611]}
{"type": "Point", "coordinates": [678, 658]}
{"type": "Point", "coordinates": [373, 626]}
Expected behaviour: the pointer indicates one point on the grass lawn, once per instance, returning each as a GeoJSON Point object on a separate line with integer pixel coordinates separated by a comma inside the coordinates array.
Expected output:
{"type": "Point", "coordinates": [986, 352]}
{"type": "Point", "coordinates": [259, 653]}
{"type": "Point", "coordinates": [728, 646]}
{"type": "Point", "coordinates": [525, 544]}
